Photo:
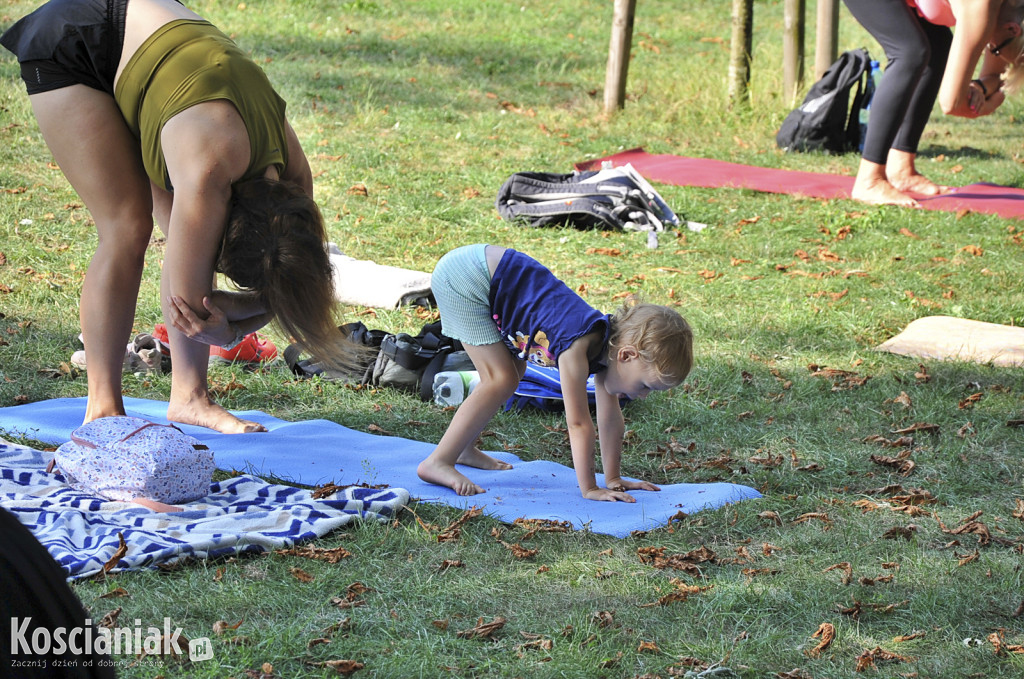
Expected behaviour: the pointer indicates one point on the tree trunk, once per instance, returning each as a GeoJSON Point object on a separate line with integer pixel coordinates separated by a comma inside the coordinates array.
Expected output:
{"type": "Point", "coordinates": [739, 55]}
{"type": "Point", "coordinates": [792, 49]}
{"type": "Point", "coordinates": [825, 48]}
{"type": "Point", "coordinates": [618, 55]}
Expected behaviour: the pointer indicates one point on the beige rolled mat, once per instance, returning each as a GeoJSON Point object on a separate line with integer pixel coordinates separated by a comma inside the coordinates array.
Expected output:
{"type": "Point", "coordinates": [946, 338]}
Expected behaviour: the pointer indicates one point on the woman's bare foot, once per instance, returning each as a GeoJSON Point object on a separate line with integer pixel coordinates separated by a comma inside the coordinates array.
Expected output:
{"type": "Point", "coordinates": [880, 192]}
{"type": "Point", "coordinates": [473, 457]}
{"type": "Point", "coordinates": [446, 475]}
{"type": "Point", "coordinates": [206, 413]}
{"type": "Point", "coordinates": [917, 183]}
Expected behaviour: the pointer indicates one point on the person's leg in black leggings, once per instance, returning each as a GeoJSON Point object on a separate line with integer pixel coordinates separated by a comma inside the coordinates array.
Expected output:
{"type": "Point", "coordinates": [34, 595]}
{"type": "Point", "coordinates": [916, 53]}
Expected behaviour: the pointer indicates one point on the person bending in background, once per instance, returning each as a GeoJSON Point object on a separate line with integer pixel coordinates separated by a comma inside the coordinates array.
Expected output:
{"type": "Point", "coordinates": [926, 60]}
{"type": "Point", "coordinates": [507, 309]}
{"type": "Point", "coordinates": [151, 112]}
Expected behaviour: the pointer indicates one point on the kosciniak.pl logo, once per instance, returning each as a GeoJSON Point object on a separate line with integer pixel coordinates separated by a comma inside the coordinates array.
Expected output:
{"type": "Point", "coordinates": [28, 640]}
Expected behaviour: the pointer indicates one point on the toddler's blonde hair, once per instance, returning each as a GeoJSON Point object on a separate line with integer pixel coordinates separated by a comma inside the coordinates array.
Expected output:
{"type": "Point", "coordinates": [661, 336]}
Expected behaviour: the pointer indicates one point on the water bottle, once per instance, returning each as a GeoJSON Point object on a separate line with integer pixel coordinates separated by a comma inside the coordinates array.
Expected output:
{"type": "Point", "coordinates": [451, 387]}
{"type": "Point", "coordinates": [869, 93]}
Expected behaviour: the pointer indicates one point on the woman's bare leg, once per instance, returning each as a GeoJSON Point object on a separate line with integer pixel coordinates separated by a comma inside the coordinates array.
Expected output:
{"type": "Point", "coordinates": [190, 401]}
{"type": "Point", "coordinates": [499, 375]}
{"type": "Point", "coordinates": [100, 158]}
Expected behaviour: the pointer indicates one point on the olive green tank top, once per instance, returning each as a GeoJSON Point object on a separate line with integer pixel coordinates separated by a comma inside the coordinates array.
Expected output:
{"type": "Point", "coordinates": [187, 62]}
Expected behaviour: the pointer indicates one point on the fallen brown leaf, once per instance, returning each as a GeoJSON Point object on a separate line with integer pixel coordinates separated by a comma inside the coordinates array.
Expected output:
{"type": "Point", "coordinates": [826, 632]}
{"type": "Point", "coordinates": [482, 630]}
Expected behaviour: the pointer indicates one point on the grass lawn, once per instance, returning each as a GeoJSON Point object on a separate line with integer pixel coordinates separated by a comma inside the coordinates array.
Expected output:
{"type": "Point", "coordinates": [413, 114]}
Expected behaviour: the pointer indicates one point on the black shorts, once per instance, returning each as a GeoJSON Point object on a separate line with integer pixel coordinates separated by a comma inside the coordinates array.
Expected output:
{"type": "Point", "coordinates": [69, 42]}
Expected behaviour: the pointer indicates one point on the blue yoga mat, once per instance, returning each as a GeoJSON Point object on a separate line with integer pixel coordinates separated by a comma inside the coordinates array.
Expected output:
{"type": "Point", "coordinates": [314, 452]}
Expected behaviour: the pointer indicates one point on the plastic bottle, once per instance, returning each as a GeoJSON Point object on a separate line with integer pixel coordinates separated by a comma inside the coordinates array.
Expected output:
{"type": "Point", "coordinates": [865, 112]}
{"type": "Point", "coordinates": [451, 387]}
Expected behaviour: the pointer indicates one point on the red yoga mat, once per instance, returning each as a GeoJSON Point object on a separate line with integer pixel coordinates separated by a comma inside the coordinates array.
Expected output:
{"type": "Point", "coordinates": [682, 171]}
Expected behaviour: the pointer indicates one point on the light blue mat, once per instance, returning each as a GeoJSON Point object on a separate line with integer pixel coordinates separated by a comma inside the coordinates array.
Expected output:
{"type": "Point", "coordinates": [314, 452]}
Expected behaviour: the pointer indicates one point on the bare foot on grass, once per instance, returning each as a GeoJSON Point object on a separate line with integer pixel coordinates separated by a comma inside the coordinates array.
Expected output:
{"type": "Point", "coordinates": [880, 192]}
{"type": "Point", "coordinates": [206, 413]}
{"type": "Point", "coordinates": [448, 476]}
{"type": "Point", "coordinates": [473, 457]}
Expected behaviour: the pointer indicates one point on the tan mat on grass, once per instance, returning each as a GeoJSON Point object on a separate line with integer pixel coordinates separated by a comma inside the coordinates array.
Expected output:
{"type": "Point", "coordinates": [959, 339]}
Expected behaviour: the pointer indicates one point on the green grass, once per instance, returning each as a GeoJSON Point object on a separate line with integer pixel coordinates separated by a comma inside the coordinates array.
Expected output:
{"type": "Point", "coordinates": [431, 105]}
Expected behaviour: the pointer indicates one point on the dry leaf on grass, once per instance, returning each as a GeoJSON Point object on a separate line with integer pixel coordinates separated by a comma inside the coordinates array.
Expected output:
{"type": "Point", "coordinates": [318, 553]}
{"type": "Point", "coordinates": [648, 647]}
{"type": "Point", "coordinates": [518, 551]}
{"type": "Point", "coordinates": [222, 626]}
{"type": "Point", "coordinates": [109, 621]}
{"type": "Point", "coordinates": [300, 575]}
{"type": "Point", "coordinates": [795, 673]}
{"type": "Point", "coordinates": [868, 658]}
{"type": "Point", "coordinates": [345, 667]}
{"type": "Point", "coordinates": [918, 426]}
{"type": "Point", "coordinates": [846, 569]}
{"type": "Point", "coordinates": [115, 593]}
{"type": "Point", "coordinates": [820, 516]}
{"type": "Point", "coordinates": [903, 638]}
{"type": "Point", "coordinates": [482, 630]}
{"type": "Point", "coordinates": [900, 532]}
{"type": "Point", "coordinates": [968, 526]}
{"type": "Point", "coordinates": [826, 632]}
{"type": "Point", "coordinates": [1000, 647]}
{"type": "Point", "coordinates": [682, 592]}
{"type": "Point", "coordinates": [901, 463]}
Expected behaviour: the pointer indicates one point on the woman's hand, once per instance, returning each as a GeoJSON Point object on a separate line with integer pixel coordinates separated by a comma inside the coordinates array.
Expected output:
{"type": "Point", "coordinates": [214, 330]}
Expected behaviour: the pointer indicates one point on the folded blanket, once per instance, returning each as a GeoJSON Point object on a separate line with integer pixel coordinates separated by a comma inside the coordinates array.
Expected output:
{"type": "Point", "coordinates": [242, 514]}
{"type": "Point", "coordinates": [314, 452]}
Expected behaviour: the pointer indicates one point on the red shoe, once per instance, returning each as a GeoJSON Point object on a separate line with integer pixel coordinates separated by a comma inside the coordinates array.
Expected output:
{"type": "Point", "coordinates": [163, 342]}
{"type": "Point", "coordinates": [253, 349]}
{"type": "Point", "coordinates": [160, 332]}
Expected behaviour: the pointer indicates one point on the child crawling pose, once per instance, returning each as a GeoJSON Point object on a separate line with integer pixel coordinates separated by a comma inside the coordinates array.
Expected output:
{"type": "Point", "coordinates": [507, 309]}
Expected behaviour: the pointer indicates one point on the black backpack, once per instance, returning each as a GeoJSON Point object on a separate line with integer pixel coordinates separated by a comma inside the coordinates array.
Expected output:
{"type": "Point", "coordinates": [610, 198]}
{"type": "Point", "coordinates": [828, 120]}
{"type": "Point", "coordinates": [402, 361]}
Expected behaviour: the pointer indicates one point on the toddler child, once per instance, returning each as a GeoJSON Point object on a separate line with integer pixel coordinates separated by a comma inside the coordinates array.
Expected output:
{"type": "Point", "coordinates": [507, 309]}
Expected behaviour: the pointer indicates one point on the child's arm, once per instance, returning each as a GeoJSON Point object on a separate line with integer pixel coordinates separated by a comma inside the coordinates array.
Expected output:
{"type": "Point", "coordinates": [573, 371]}
{"type": "Point", "coordinates": [611, 429]}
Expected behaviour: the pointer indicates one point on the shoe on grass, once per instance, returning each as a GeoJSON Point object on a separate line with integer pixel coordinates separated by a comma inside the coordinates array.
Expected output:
{"type": "Point", "coordinates": [252, 349]}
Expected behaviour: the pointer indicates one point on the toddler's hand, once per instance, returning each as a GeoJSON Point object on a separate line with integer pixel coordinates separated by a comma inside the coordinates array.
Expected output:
{"type": "Point", "coordinates": [607, 495]}
{"type": "Point", "coordinates": [626, 484]}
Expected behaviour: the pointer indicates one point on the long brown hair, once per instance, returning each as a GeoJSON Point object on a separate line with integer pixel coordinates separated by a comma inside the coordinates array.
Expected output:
{"type": "Point", "coordinates": [275, 246]}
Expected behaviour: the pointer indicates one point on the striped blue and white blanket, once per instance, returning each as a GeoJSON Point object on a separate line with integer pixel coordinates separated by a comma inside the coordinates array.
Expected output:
{"type": "Point", "coordinates": [240, 515]}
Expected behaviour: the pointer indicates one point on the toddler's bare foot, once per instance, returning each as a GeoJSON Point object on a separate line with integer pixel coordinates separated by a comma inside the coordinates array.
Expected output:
{"type": "Point", "coordinates": [446, 475]}
{"type": "Point", "coordinates": [881, 192]}
{"type": "Point", "coordinates": [206, 413]}
{"type": "Point", "coordinates": [473, 457]}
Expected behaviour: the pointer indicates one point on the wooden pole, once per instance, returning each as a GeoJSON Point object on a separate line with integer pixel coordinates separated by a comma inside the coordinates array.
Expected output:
{"type": "Point", "coordinates": [825, 46]}
{"type": "Point", "coordinates": [618, 55]}
{"type": "Point", "coordinates": [739, 54]}
{"type": "Point", "coordinates": [792, 49]}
